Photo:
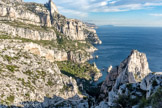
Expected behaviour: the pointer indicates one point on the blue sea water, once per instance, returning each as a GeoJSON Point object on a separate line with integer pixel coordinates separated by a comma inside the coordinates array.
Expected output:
{"type": "Point", "coordinates": [119, 41]}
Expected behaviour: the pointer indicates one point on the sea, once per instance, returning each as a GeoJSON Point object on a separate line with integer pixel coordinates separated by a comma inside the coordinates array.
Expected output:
{"type": "Point", "coordinates": [118, 42]}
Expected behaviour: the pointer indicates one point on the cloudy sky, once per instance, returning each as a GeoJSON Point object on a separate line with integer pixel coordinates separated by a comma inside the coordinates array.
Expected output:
{"type": "Point", "coordinates": [112, 12]}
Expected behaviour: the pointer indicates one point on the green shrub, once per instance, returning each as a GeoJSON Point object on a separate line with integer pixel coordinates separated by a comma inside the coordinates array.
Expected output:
{"type": "Point", "coordinates": [155, 100]}
{"type": "Point", "coordinates": [65, 88]}
{"type": "Point", "coordinates": [82, 71]}
{"type": "Point", "coordinates": [11, 68]}
{"type": "Point", "coordinates": [28, 72]}
{"type": "Point", "coordinates": [143, 102]}
{"type": "Point", "coordinates": [11, 98]}
{"type": "Point", "coordinates": [50, 83]}
{"type": "Point", "coordinates": [125, 101]}
{"type": "Point", "coordinates": [9, 58]}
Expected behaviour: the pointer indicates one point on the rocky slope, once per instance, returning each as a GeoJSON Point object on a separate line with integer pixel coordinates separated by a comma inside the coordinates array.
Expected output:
{"type": "Point", "coordinates": [27, 77]}
{"type": "Point", "coordinates": [32, 43]}
{"type": "Point", "coordinates": [128, 83]}
{"type": "Point", "coordinates": [30, 76]}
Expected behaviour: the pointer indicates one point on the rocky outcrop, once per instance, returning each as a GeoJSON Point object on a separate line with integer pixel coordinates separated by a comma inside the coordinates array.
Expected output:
{"type": "Point", "coordinates": [92, 36]}
{"type": "Point", "coordinates": [131, 70]}
{"type": "Point", "coordinates": [130, 84]}
{"type": "Point", "coordinates": [98, 74]}
{"type": "Point", "coordinates": [50, 55]}
{"type": "Point", "coordinates": [75, 29]}
{"type": "Point", "coordinates": [79, 56]}
{"type": "Point", "coordinates": [33, 33]}
{"type": "Point", "coordinates": [53, 8]}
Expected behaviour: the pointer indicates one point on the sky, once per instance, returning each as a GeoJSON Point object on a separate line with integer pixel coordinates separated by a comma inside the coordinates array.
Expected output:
{"type": "Point", "coordinates": [112, 12]}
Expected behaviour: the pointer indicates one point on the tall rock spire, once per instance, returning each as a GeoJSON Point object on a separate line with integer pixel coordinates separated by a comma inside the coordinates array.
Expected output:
{"type": "Point", "coordinates": [132, 70]}
{"type": "Point", "coordinates": [53, 7]}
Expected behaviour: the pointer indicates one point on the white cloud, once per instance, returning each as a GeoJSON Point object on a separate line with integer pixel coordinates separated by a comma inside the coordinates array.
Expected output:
{"type": "Point", "coordinates": [73, 12]}
{"type": "Point", "coordinates": [156, 14]}
{"type": "Point", "coordinates": [103, 3]}
{"type": "Point", "coordinates": [153, 4]}
{"type": "Point", "coordinates": [81, 8]}
{"type": "Point", "coordinates": [112, 2]}
{"type": "Point", "coordinates": [119, 8]}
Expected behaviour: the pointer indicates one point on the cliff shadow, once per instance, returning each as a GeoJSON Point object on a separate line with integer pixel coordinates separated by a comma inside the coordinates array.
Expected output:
{"type": "Point", "coordinates": [84, 85]}
{"type": "Point", "coordinates": [55, 102]}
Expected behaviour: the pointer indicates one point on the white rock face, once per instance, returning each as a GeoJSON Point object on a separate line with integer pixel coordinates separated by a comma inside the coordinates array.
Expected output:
{"type": "Point", "coordinates": [109, 69]}
{"type": "Point", "coordinates": [53, 7]}
{"type": "Point", "coordinates": [48, 16]}
{"type": "Point", "coordinates": [27, 33]}
{"type": "Point", "coordinates": [131, 70]}
{"type": "Point", "coordinates": [25, 12]}
{"type": "Point", "coordinates": [79, 56]}
{"type": "Point", "coordinates": [75, 29]}
{"type": "Point", "coordinates": [50, 55]}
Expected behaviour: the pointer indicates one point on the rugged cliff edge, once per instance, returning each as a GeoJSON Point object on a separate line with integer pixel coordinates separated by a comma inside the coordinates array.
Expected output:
{"type": "Point", "coordinates": [43, 22]}
{"type": "Point", "coordinates": [43, 15]}
{"type": "Point", "coordinates": [129, 83]}
{"type": "Point", "coordinates": [43, 57]}
{"type": "Point", "coordinates": [131, 70]}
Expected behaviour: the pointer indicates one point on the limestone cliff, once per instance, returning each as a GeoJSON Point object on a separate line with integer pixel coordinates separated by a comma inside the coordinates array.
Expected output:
{"type": "Point", "coordinates": [43, 22]}
{"type": "Point", "coordinates": [50, 55]}
{"type": "Point", "coordinates": [32, 46]}
{"type": "Point", "coordinates": [129, 82]}
{"type": "Point", "coordinates": [131, 70]}
{"type": "Point", "coordinates": [46, 15]}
